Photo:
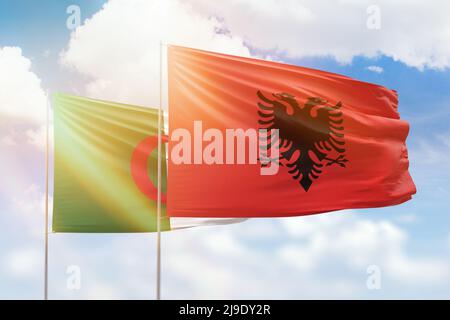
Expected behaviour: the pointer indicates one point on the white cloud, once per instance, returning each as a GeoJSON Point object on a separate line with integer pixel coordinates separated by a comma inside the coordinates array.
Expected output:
{"type": "Point", "coordinates": [30, 201]}
{"type": "Point", "coordinates": [47, 53]}
{"type": "Point", "coordinates": [22, 263]}
{"type": "Point", "coordinates": [326, 259]}
{"type": "Point", "coordinates": [430, 271]}
{"type": "Point", "coordinates": [8, 140]}
{"type": "Point", "coordinates": [119, 47]}
{"type": "Point", "coordinates": [323, 256]}
{"type": "Point", "coordinates": [21, 94]}
{"type": "Point", "coordinates": [23, 102]}
{"type": "Point", "coordinates": [38, 137]}
{"type": "Point", "coordinates": [359, 243]}
{"type": "Point", "coordinates": [376, 69]}
{"type": "Point", "coordinates": [28, 206]}
{"type": "Point", "coordinates": [339, 28]}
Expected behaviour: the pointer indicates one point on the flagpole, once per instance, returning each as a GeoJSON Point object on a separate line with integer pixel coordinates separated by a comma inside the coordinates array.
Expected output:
{"type": "Point", "coordinates": [46, 197]}
{"type": "Point", "coordinates": [158, 203]}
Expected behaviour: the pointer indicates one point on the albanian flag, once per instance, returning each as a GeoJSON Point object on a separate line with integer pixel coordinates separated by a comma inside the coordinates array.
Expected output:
{"type": "Point", "coordinates": [253, 138]}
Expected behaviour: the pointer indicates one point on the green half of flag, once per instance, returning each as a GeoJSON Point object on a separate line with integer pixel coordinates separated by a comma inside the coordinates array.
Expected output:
{"type": "Point", "coordinates": [105, 167]}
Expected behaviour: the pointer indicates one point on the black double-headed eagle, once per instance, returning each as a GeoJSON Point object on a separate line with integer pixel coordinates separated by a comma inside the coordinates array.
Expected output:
{"type": "Point", "coordinates": [308, 135]}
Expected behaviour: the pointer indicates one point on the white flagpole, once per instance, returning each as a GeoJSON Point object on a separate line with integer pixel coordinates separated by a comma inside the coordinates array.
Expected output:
{"type": "Point", "coordinates": [158, 203]}
{"type": "Point", "coordinates": [46, 198]}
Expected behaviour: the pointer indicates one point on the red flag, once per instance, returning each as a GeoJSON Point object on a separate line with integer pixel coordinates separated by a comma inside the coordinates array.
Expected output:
{"type": "Point", "coordinates": [253, 138]}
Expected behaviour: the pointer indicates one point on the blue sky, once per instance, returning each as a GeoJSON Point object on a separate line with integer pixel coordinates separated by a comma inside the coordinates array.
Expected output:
{"type": "Point", "coordinates": [416, 234]}
{"type": "Point", "coordinates": [40, 27]}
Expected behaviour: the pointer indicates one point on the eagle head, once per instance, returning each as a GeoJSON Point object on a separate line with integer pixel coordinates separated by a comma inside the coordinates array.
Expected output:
{"type": "Point", "coordinates": [316, 101]}
{"type": "Point", "coordinates": [313, 106]}
{"type": "Point", "coordinates": [288, 101]}
{"type": "Point", "coordinates": [287, 97]}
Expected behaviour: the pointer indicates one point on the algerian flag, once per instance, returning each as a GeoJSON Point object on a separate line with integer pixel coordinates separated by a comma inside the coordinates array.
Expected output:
{"type": "Point", "coordinates": [105, 167]}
